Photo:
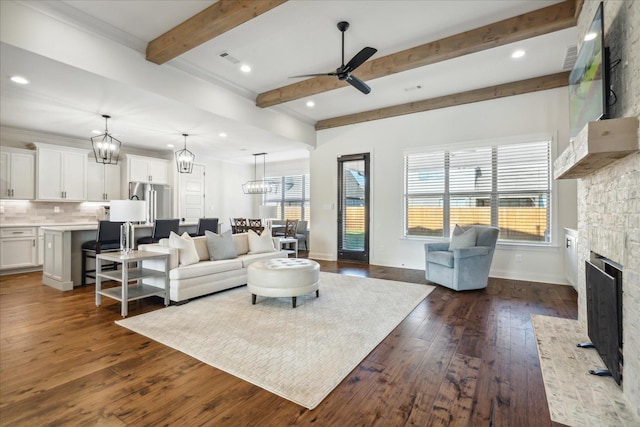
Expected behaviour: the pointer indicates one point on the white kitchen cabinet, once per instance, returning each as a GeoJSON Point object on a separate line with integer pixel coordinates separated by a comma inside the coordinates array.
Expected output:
{"type": "Point", "coordinates": [18, 247]}
{"type": "Point", "coordinates": [103, 181]}
{"type": "Point", "coordinates": [147, 169]}
{"type": "Point", "coordinates": [17, 174]}
{"type": "Point", "coordinates": [571, 256]}
{"type": "Point", "coordinates": [61, 173]}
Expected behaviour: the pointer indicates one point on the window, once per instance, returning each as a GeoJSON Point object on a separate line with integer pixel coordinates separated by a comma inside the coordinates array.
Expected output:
{"type": "Point", "coordinates": [292, 197]}
{"type": "Point", "coordinates": [508, 186]}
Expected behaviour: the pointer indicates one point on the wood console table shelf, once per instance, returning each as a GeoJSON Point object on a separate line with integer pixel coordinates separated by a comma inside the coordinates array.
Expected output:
{"type": "Point", "coordinates": [597, 145]}
{"type": "Point", "coordinates": [128, 292]}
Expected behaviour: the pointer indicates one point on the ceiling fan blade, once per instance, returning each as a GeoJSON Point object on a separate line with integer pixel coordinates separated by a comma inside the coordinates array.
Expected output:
{"type": "Point", "coordinates": [358, 84]}
{"type": "Point", "coordinates": [314, 75]}
{"type": "Point", "coordinates": [360, 58]}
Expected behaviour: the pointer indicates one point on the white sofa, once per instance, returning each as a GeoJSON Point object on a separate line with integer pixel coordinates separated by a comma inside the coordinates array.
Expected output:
{"type": "Point", "coordinates": [205, 277]}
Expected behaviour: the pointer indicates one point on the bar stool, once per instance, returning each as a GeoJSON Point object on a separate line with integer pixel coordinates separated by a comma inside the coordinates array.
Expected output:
{"type": "Point", "coordinates": [204, 224]}
{"type": "Point", "coordinates": [161, 230]}
{"type": "Point", "coordinates": [107, 240]}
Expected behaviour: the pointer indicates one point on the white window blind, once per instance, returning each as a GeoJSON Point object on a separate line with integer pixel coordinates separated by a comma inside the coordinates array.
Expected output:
{"type": "Point", "coordinates": [508, 186]}
{"type": "Point", "coordinates": [292, 197]}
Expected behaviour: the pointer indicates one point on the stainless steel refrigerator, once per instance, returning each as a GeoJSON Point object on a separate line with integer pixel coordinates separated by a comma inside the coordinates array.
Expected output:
{"type": "Point", "coordinates": [156, 196]}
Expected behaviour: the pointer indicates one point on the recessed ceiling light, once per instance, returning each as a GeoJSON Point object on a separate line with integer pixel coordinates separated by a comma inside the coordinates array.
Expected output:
{"type": "Point", "coordinates": [518, 54]}
{"type": "Point", "coordinates": [245, 68]}
{"type": "Point", "coordinates": [590, 36]}
{"type": "Point", "coordinates": [222, 135]}
{"type": "Point", "coordinates": [97, 132]}
{"type": "Point", "coordinates": [170, 145]}
{"type": "Point", "coordinates": [20, 80]}
{"type": "Point", "coordinates": [310, 104]}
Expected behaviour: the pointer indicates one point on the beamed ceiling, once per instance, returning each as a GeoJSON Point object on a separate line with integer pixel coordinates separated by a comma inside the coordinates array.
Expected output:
{"type": "Point", "coordinates": [431, 54]}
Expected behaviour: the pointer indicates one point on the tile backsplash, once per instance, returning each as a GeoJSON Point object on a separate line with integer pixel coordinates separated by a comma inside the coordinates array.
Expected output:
{"type": "Point", "coordinates": [29, 212]}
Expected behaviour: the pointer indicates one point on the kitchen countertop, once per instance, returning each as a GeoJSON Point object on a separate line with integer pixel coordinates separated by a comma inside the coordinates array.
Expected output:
{"type": "Point", "coordinates": [47, 224]}
{"type": "Point", "coordinates": [85, 227]}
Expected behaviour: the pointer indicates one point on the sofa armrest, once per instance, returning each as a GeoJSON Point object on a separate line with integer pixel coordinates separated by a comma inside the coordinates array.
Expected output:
{"type": "Point", "coordinates": [157, 248]}
{"type": "Point", "coordinates": [470, 252]}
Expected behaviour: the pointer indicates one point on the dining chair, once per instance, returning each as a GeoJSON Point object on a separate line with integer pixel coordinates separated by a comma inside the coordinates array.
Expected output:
{"type": "Point", "coordinates": [238, 225]}
{"type": "Point", "coordinates": [255, 225]}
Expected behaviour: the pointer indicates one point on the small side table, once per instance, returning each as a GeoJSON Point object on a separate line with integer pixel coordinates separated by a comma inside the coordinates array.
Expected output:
{"type": "Point", "coordinates": [289, 241]}
{"type": "Point", "coordinates": [126, 292]}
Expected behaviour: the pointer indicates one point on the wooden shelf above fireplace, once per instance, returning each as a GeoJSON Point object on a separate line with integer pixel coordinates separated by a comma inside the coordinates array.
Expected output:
{"type": "Point", "coordinates": [598, 144]}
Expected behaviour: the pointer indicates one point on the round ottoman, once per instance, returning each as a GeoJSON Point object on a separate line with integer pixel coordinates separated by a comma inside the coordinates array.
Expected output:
{"type": "Point", "coordinates": [283, 277]}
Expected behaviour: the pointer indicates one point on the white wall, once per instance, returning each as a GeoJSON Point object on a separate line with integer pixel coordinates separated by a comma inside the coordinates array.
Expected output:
{"type": "Point", "coordinates": [387, 140]}
{"type": "Point", "coordinates": [223, 190]}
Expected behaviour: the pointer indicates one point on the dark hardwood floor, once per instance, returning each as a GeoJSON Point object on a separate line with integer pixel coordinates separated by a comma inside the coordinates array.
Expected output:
{"type": "Point", "coordinates": [459, 359]}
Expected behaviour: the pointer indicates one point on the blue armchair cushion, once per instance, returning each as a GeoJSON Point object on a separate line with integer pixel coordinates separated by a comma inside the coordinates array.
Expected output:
{"type": "Point", "coordinates": [462, 238]}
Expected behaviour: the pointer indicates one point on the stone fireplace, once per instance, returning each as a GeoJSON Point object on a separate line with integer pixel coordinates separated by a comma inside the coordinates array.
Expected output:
{"type": "Point", "coordinates": [609, 198]}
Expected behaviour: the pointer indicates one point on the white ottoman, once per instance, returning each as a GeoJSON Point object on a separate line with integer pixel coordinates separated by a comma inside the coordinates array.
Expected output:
{"type": "Point", "coordinates": [283, 277]}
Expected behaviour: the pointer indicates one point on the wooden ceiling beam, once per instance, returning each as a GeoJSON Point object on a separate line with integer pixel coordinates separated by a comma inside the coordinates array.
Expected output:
{"type": "Point", "coordinates": [488, 93]}
{"type": "Point", "coordinates": [579, 4]}
{"type": "Point", "coordinates": [217, 19]}
{"type": "Point", "coordinates": [538, 22]}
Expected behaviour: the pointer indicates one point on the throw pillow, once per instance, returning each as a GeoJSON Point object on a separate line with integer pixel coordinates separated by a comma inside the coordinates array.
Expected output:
{"type": "Point", "coordinates": [260, 243]}
{"type": "Point", "coordinates": [201, 247]}
{"type": "Point", "coordinates": [220, 245]}
{"type": "Point", "coordinates": [186, 248]}
{"type": "Point", "coordinates": [462, 238]}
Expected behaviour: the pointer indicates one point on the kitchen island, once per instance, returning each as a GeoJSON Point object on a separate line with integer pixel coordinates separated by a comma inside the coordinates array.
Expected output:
{"type": "Point", "coordinates": [62, 267]}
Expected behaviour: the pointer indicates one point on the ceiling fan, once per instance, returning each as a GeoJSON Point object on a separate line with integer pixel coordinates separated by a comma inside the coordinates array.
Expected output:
{"type": "Point", "coordinates": [343, 72]}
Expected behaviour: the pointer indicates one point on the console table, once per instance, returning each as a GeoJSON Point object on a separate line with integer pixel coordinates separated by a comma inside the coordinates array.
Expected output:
{"type": "Point", "coordinates": [127, 292]}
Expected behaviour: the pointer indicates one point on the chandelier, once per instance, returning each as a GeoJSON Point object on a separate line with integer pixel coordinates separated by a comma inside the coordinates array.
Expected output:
{"type": "Point", "coordinates": [256, 186]}
{"type": "Point", "coordinates": [105, 147]}
{"type": "Point", "coordinates": [185, 158]}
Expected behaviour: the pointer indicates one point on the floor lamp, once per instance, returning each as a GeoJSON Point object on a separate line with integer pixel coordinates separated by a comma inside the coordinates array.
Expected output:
{"type": "Point", "coordinates": [127, 211]}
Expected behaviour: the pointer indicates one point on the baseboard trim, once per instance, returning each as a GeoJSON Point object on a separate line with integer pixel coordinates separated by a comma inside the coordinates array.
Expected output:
{"type": "Point", "coordinates": [529, 277]}
{"type": "Point", "coordinates": [20, 270]}
{"type": "Point", "coordinates": [322, 257]}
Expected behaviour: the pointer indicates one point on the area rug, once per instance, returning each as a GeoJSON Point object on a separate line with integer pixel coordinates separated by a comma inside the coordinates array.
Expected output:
{"type": "Point", "coordinates": [575, 397]}
{"type": "Point", "coordinates": [300, 354]}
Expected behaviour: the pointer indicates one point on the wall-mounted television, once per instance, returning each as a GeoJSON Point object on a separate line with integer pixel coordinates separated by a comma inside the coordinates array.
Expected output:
{"type": "Point", "coordinates": [589, 79]}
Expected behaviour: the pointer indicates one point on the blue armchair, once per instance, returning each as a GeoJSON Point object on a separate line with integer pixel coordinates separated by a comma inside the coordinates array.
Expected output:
{"type": "Point", "coordinates": [462, 269]}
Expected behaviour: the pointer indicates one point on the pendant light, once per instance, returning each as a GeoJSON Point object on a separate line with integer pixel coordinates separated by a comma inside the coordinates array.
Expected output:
{"type": "Point", "coordinates": [257, 186]}
{"type": "Point", "coordinates": [185, 158]}
{"type": "Point", "coordinates": [106, 148]}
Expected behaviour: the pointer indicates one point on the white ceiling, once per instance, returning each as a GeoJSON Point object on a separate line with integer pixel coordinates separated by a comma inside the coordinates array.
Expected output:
{"type": "Point", "coordinates": [295, 38]}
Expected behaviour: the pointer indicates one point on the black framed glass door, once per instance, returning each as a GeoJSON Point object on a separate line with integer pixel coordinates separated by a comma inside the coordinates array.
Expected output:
{"type": "Point", "coordinates": [353, 207]}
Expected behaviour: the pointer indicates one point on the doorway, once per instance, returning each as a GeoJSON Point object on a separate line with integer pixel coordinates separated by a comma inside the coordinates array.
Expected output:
{"type": "Point", "coordinates": [192, 199]}
{"type": "Point", "coordinates": [353, 207]}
